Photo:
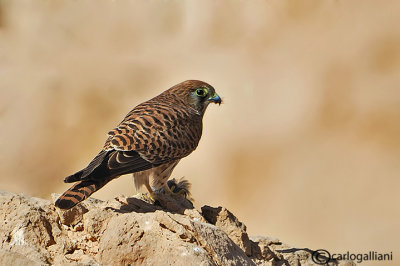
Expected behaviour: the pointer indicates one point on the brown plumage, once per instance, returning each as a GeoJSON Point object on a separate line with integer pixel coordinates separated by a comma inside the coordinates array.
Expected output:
{"type": "Point", "coordinates": [149, 142]}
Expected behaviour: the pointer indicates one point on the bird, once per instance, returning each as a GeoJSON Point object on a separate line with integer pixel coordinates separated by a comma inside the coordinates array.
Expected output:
{"type": "Point", "coordinates": [149, 142]}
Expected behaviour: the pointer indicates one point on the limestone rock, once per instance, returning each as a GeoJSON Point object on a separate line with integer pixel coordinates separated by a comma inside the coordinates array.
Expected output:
{"type": "Point", "coordinates": [132, 231]}
{"type": "Point", "coordinates": [226, 221]}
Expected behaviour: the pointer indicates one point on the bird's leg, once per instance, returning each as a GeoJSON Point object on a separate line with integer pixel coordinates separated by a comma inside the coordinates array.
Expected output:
{"type": "Point", "coordinates": [142, 179]}
{"type": "Point", "coordinates": [163, 178]}
{"type": "Point", "coordinates": [151, 192]}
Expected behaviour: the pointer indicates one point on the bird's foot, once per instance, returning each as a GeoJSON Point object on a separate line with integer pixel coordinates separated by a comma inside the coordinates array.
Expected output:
{"type": "Point", "coordinates": [147, 197]}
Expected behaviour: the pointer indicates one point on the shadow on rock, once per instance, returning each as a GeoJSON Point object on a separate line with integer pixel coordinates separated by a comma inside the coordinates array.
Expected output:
{"type": "Point", "coordinates": [142, 204]}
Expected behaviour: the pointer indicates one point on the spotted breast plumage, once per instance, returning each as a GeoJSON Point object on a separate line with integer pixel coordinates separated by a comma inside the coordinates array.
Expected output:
{"type": "Point", "coordinates": [149, 142]}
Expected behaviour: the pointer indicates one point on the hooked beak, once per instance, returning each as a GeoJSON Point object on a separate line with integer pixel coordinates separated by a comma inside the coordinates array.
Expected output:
{"type": "Point", "coordinates": [215, 99]}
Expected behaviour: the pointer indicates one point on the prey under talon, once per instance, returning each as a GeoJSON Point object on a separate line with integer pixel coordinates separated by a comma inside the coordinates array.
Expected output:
{"type": "Point", "coordinates": [179, 188]}
{"type": "Point", "coordinates": [168, 190]}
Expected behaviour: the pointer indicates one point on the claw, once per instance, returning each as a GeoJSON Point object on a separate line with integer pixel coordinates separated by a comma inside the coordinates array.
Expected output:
{"type": "Point", "coordinates": [152, 197]}
{"type": "Point", "coordinates": [147, 197]}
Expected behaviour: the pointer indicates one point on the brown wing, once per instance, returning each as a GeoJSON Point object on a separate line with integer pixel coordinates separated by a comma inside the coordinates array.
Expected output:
{"type": "Point", "coordinates": [111, 164]}
{"type": "Point", "coordinates": [159, 133]}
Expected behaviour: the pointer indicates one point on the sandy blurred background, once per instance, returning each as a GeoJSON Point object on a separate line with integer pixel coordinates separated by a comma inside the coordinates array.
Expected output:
{"type": "Point", "coordinates": [306, 147]}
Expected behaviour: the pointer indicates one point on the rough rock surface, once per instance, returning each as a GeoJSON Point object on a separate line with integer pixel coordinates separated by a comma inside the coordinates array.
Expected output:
{"type": "Point", "coordinates": [130, 231]}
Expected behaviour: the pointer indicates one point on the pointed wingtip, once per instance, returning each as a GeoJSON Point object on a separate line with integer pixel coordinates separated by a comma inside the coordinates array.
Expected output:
{"type": "Point", "coordinates": [74, 178]}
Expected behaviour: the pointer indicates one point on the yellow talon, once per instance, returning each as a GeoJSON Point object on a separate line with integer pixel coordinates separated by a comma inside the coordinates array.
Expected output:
{"type": "Point", "coordinates": [151, 197]}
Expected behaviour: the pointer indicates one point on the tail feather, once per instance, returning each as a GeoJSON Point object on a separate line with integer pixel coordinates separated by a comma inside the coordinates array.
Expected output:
{"type": "Point", "coordinates": [106, 166]}
{"type": "Point", "coordinates": [79, 192]}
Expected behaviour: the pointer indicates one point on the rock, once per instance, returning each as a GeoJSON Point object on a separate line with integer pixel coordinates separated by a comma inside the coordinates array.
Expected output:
{"type": "Point", "coordinates": [226, 221]}
{"type": "Point", "coordinates": [14, 258]}
{"type": "Point", "coordinates": [132, 231]}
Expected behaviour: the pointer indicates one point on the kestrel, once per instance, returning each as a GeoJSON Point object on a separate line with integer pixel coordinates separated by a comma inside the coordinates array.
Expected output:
{"type": "Point", "coordinates": [149, 142]}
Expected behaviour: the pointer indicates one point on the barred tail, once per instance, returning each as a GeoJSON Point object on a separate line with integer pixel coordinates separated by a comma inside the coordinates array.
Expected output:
{"type": "Point", "coordinates": [106, 166]}
{"type": "Point", "coordinates": [79, 192]}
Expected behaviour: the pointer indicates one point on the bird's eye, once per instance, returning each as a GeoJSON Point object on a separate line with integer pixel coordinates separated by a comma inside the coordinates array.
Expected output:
{"type": "Point", "coordinates": [201, 92]}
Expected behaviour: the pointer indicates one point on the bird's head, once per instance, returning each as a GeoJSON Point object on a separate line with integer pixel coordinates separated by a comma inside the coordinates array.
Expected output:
{"type": "Point", "coordinates": [197, 94]}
